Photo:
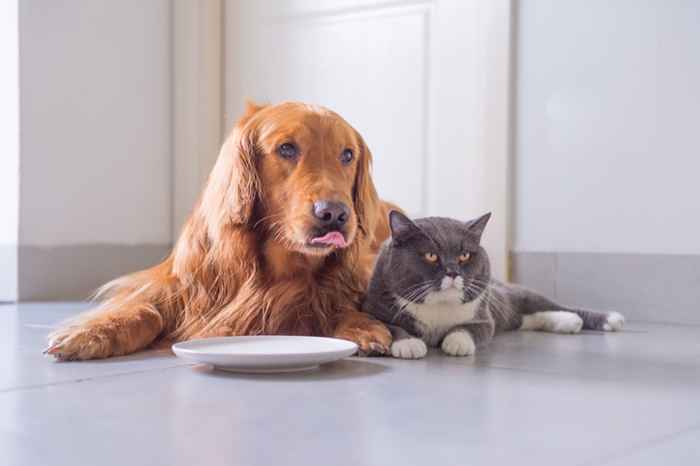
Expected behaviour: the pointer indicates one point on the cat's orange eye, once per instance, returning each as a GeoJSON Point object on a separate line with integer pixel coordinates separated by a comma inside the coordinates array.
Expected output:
{"type": "Point", "coordinates": [464, 257]}
{"type": "Point", "coordinates": [430, 257]}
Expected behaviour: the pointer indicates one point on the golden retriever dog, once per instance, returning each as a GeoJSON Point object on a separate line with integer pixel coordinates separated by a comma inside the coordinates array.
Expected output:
{"type": "Point", "coordinates": [281, 241]}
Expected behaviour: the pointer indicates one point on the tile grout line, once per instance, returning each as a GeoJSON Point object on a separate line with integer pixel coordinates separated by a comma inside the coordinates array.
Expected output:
{"type": "Point", "coordinates": [90, 378]}
{"type": "Point", "coordinates": [666, 323]}
{"type": "Point", "coordinates": [537, 372]}
{"type": "Point", "coordinates": [639, 446]}
{"type": "Point", "coordinates": [555, 279]}
{"type": "Point", "coordinates": [540, 372]}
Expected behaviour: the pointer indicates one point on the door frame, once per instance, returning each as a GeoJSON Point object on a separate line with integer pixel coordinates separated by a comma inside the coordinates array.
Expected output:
{"type": "Point", "coordinates": [197, 107]}
{"type": "Point", "coordinates": [497, 22]}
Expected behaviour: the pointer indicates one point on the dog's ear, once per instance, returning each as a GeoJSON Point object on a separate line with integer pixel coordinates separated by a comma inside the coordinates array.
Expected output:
{"type": "Point", "coordinates": [251, 108]}
{"type": "Point", "coordinates": [364, 193]}
{"type": "Point", "coordinates": [234, 184]}
{"type": "Point", "coordinates": [227, 201]}
{"type": "Point", "coordinates": [244, 183]}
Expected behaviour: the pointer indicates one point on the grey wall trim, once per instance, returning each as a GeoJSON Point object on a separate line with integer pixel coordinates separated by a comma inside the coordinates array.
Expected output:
{"type": "Point", "coordinates": [75, 272]}
{"type": "Point", "coordinates": [649, 287]}
{"type": "Point", "coordinates": [8, 272]}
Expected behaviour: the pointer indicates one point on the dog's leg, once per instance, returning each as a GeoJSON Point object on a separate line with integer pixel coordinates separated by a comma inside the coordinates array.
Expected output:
{"type": "Point", "coordinates": [371, 335]}
{"type": "Point", "coordinates": [109, 330]}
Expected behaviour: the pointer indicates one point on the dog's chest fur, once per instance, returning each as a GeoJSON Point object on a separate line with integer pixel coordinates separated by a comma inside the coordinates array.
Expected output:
{"type": "Point", "coordinates": [439, 313]}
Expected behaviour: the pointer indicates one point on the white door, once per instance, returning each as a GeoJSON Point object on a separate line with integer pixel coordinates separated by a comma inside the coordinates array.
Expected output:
{"type": "Point", "coordinates": [425, 83]}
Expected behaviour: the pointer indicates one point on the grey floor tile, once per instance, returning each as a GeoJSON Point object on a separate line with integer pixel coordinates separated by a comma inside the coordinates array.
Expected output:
{"type": "Point", "coordinates": [23, 330]}
{"type": "Point", "coordinates": [357, 412]}
{"type": "Point", "coordinates": [658, 354]}
{"type": "Point", "coordinates": [682, 449]}
{"type": "Point", "coordinates": [530, 398]}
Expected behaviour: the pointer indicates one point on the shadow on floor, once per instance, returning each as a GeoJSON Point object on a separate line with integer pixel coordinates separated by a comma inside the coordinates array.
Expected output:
{"type": "Point", "coordinates": [343, 369]}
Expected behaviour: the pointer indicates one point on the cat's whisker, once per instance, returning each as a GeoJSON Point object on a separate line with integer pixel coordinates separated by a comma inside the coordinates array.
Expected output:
{"type": "Point", "coordinates": [422, 288]}
{"type": "Point", "coordinates": [411, 293]}
{"type": "Point", "coordinates": [418, 286]}
{"type": "Point", "coordinates": [418, 292]}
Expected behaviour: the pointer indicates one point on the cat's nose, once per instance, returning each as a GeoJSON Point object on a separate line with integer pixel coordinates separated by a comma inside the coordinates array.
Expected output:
{"type": "Point", "coordinates": [448, 281]}
{"type": "Point", "coordinates": [452, 274]}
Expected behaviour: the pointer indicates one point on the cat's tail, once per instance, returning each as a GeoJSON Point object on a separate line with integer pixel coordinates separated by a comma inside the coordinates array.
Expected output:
{"type": "Point", "coordinates": [532, 302]}
{"type": "Point", "coordinates": [597, 320]}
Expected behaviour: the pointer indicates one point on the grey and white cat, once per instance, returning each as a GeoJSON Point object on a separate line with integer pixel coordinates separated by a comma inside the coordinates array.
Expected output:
{"type": "Point", "coordinates": [432, 286]}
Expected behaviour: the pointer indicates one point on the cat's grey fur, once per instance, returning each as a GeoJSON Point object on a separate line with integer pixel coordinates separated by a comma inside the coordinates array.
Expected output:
{"type": "Point", "coordinates": [455, 304]}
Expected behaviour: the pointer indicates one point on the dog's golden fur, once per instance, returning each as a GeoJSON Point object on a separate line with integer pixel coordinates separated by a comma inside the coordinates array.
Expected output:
{"type": "Point", "coordinates": [243, 264]}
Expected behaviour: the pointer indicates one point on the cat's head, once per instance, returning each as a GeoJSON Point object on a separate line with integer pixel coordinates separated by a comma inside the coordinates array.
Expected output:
{"type": "Point", "coordinates": [438, 259]}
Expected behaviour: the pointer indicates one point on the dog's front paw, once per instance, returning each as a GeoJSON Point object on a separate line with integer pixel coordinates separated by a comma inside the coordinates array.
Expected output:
{"type": "Point", "coordinates": [77, 343]}
{"type": "Point", "coordinates": [372, 339]}
{"type": "Point", "coordinates": [458, 343]}
{"type": "Point", "coordinates": [409, 348]}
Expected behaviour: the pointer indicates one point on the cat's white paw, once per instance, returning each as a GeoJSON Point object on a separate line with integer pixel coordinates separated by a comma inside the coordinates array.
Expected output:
{"type": "Point", "coordinates": [565, 322]}
{"type": "Point", "coordinates": [459, 343]}
{"type": "Point", "coordinates": [409, 348]}
{"type": "Point", "coordinates": [614, 322]}
{"type": "Point", "coordinates": [553, 321]}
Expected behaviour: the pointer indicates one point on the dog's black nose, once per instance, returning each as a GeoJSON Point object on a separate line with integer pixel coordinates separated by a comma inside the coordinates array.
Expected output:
{"type": "Point", "coordinates": [331, 213]}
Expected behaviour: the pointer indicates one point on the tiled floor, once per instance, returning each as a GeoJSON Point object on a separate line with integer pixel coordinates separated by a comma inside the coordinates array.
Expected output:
{"type": "Point", "coordinates": [631, 398]}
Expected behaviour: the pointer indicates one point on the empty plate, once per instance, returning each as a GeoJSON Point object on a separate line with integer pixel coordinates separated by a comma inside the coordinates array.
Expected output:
{"type": "Point", "coordinates": [264, 354]}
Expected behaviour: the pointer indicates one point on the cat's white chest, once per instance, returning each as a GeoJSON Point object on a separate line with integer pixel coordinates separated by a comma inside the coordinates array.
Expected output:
{"type": "Point", "coordinates": [441, 312]}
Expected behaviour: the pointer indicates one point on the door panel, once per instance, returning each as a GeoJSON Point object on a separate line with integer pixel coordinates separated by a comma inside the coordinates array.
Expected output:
{"type": "Point", "coordinates": [411, 76]}
{"type": "Point", "coordinates": [368, 64]}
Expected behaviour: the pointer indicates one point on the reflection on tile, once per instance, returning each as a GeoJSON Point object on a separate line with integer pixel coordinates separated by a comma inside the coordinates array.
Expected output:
{"type": "Point", "coordinates": [23, 330]}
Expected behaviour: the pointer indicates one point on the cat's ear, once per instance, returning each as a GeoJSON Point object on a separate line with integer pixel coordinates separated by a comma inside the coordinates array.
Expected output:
{"type": "Point", "coordinates": [401, 226]}
{"type": "Point", "coordinates": [477, 226]}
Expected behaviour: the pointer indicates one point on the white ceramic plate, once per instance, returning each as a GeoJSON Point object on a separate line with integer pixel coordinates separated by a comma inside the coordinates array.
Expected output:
{"type": "Point", "coordinates": [265, 353]}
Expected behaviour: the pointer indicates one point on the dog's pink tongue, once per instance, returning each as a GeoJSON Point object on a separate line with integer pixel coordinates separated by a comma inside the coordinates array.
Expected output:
{"type": "Point", "coordinates": [334, 238]}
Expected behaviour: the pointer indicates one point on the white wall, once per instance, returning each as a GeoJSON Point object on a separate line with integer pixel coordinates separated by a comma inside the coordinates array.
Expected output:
{"type": "Point", "coordinates": [95, 99]}
{"type": "Point", "coordinates": [608, 126]}
{"type": "Point", "coordinates": [9, 148]}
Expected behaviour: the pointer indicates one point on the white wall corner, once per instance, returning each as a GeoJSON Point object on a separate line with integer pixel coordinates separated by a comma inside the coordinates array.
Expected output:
{"type": "Point", "coordinates": [94, 142]}
{"type": "Point", "coordinates": [8, 273]}
{"type": "Point", "coordinates": [197, 99]}
{"type": "Point", "coordinates": [9, 148]}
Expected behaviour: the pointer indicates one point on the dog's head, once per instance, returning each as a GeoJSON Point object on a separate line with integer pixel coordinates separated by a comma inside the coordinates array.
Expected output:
{"type": "Point", "coordinates": [298, 171]}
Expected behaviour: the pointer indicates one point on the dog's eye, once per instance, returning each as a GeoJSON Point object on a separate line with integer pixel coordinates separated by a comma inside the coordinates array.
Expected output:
{"type": "Point", "coordinates": [288, 151]}
{"type": "Point", "coordinates": [346, 156]}
{"type": "Point", "coordinates": [431, 257]}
